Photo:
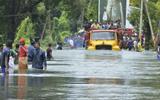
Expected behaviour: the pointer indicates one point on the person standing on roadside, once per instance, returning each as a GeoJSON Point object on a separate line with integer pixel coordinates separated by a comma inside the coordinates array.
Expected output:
{"type": "Point", "coordinates": [5, 57]}
{"type": "Point", "coordinates": [130, 44]}
{"type": "Point", "coordinates": [23, 53]}
{"type": "Point", "coordinates": [135, 45]}
{"type": "Point", "coordinates": [39, 58]}
{"type": "Point", "coordinates": [71, 43]}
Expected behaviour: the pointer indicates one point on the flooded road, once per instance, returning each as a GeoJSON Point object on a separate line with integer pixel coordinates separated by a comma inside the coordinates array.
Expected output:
{"type": "Point", "coordinates": [88, 75]}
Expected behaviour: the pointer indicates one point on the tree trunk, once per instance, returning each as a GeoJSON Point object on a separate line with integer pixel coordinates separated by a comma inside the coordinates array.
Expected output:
{"type": "Point", "coordinates": [147, 35]}
{"type": "Point", "coordinates": [147, 31]}
{"type": "Point", "coordinates": [12, 19]}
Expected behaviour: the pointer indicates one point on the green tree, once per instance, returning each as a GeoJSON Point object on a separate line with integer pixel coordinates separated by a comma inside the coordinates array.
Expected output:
{"type": "Point", "coordinates": [69, 14]}
{"type": "Point", "coordinates": [25, 30]}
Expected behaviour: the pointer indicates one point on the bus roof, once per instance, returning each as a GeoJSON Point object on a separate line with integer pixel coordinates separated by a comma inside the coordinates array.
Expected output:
{"type": "Point", "coordinates": [104, 31]}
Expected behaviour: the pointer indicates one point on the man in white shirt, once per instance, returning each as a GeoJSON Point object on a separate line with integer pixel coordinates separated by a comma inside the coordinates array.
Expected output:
{"type": "Point", "coordinates": [71, 42]}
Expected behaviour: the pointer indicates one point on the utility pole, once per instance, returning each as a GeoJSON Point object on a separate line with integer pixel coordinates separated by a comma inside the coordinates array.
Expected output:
{"type": "Point", "coordinates": [141, 20]}
{"type": "Point", "coordinates": [150, 23]}
{"type": "Point", "coordinates": [11, 20]}
{"type": "Point", "coordinates": [122, 15]}
{"type": "Point", "coordinates": [99, 10]}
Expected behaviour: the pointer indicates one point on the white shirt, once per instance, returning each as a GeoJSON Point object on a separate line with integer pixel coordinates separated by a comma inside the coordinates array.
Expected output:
{"type": "Point", "coordinates": [71, 42]}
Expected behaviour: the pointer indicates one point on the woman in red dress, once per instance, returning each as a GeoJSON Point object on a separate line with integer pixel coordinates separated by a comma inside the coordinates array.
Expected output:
{"type": "Point", "coordinates": [23, 52]}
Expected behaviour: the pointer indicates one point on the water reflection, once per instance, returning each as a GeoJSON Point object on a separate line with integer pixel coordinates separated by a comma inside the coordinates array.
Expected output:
{"type": "Point", "coordinates": [36, 82]}
{"type": "Point", "coordinates": [114, 81]}
{"type": "Point", "coordinates": [22, 84]}
{"type": "Point", "coordinates": [5, 84]}
{"type": "Point", "coordinates": [6, 81]}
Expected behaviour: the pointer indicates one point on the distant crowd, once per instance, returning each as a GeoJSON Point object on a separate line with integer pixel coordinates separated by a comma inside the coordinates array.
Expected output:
{"type": "Point", "coordinates": [132, 42]}
{"type": "Point", "coordinates": [105, 25]}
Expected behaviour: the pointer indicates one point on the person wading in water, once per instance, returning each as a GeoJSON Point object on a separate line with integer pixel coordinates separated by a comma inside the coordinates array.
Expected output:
{"type": "Point", "coordinates": [5, 57]}
{"type": "Point", "coordinates": [23, 53]}
{"type": "Point", "coordinates": [39, 58]}
{"type": "Point", "coordinates": [49, 52]}
{"type": "Point", "coordinates": [30, 51]}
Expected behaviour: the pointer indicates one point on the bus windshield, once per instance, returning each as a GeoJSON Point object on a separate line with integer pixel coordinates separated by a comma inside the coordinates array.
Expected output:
{"type": "Point", "coordinates": [103, 36]}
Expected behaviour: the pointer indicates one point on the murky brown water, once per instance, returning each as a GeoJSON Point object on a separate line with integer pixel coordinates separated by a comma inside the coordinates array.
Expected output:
{"type": "Point", "coordinates": [88, 75]}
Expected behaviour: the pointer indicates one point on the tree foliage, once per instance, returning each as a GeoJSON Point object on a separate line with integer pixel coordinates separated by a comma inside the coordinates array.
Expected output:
{"type": "Point", "coordinates": [25, 30]}
{"type": "Point", "coordinates": [154, 11]}
{"type": "Point", "coordinates": [41, 8]}
{"type": "Point", "coordinates": [51, 18]}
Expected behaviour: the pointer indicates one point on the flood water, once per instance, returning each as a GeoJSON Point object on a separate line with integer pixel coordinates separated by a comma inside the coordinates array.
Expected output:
{"type": "Point", "coordinates": [87, 75]}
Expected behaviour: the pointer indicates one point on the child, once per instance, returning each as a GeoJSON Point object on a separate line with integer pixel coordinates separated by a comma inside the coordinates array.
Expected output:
{"type": "Point", "coordinates": [49, 52]}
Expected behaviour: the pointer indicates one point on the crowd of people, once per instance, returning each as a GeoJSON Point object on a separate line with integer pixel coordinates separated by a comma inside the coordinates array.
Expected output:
{"type": "Point", "coordinates": [23, 55]}
{"type": "Point", "coordinates": [105, 25]}
{"type": "Point", "coordinates": [75, 41]}
{"type": "Point", "coordinates": [132, 43]}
